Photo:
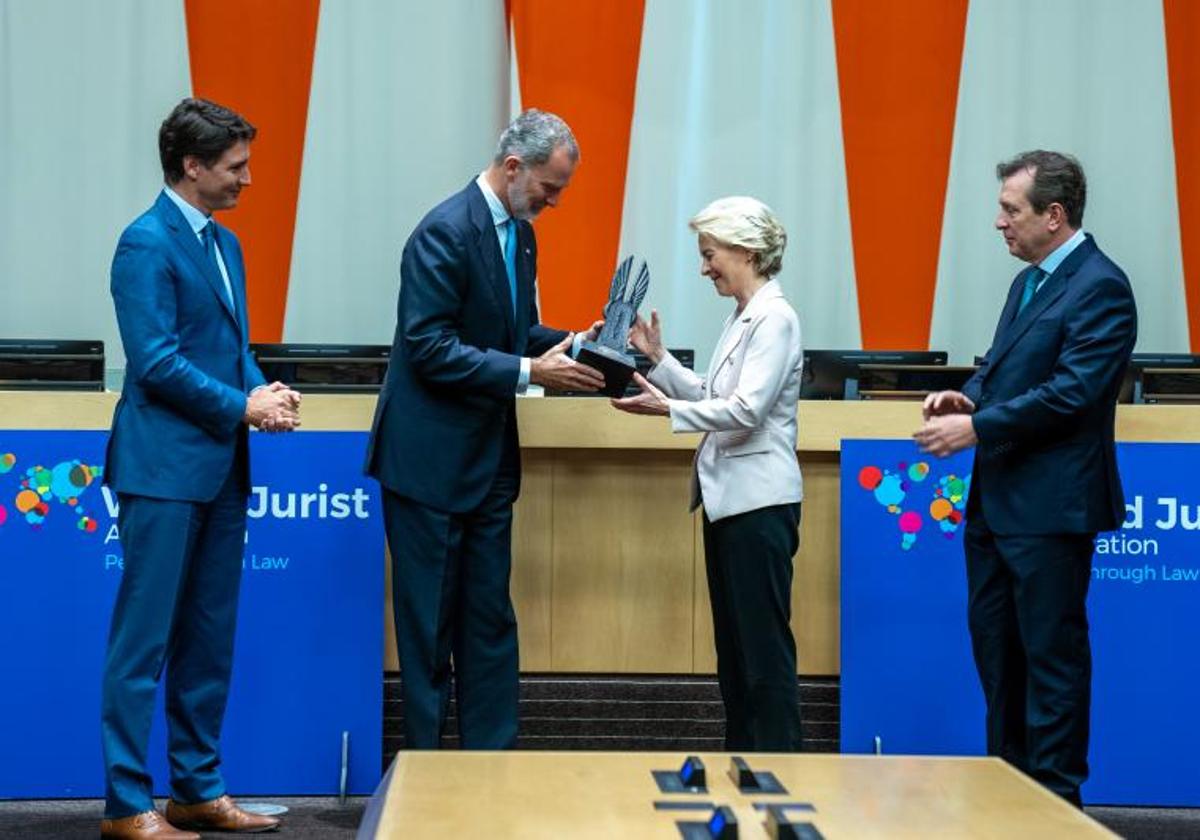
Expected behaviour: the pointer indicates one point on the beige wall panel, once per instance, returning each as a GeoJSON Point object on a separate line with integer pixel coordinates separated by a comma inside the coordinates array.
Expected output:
{"type": "Point", "coordinates": [623, 562]}
{"type": "Point", "coordinates": [816, 593]}
{"type": "Point", "coordinates": [532, 566]}
{"type": "Point", "coordinates": [704, 654]}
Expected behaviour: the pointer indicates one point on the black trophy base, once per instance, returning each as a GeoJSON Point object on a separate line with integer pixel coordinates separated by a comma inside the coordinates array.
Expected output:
{"type": "Point", "coordinates": [617, 367]}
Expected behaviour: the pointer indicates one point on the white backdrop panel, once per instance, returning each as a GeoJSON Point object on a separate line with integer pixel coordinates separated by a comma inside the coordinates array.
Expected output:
{"type": "Point", "coordinates": [1088, 77]}
{"type": "Point", "coordinates": [407, 101]}
{"type": "Point", "coordinates": [740, 98]}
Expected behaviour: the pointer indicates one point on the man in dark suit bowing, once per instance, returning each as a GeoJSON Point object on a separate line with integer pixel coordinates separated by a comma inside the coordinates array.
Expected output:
{"type": "Point", "coordinates": [444, 441]}
{"type": "Point", "coordinates": [178, 460]}
{"type": "Point", "coordinates": [1039, 412]}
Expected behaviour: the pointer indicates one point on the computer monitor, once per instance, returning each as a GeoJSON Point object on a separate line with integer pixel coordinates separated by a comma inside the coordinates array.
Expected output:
{"type": "Point", "coordinates": [325, 368]}
{"type": "Point", "coordinates": [833, 374]}
{"type": "Point", "coordinates": [1162, 378]}
{"type": "Point", "coordinates": [28, 364]}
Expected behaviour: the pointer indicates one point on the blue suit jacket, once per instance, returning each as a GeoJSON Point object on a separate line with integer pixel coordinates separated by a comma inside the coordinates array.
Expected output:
{"type": "Point", "coordinates": [448, 406]}
{"type": "Point", "coordinates": [188, 366]}
{"type": "Point", "coordinates": [1045, 400]}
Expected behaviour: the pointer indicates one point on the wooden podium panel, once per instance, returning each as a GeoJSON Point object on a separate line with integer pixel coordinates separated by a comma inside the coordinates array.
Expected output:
{"type": "Point", "coordinates": [605, 795]}
{"type": "Point", "coordinates": [608, 565]}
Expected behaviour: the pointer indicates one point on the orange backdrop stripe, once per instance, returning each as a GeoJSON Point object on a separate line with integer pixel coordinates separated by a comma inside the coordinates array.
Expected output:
{"type": "Point", "coordinates": [1182, 18]}
{"type": "Point", "coordinates": [898, 70]}
{"type": "Point", "coordinates": [580, 61]}
{"type": "Point", "coordinates": [256, 58]}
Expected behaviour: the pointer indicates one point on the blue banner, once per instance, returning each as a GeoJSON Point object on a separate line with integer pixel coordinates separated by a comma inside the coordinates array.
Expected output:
{"type": "Point", "coordinates": [907, 674]}
{"type": "Point", "coordinates": [309, 656]}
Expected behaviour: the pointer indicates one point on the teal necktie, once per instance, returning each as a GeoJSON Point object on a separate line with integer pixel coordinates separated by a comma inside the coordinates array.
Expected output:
{"type": "Point", "coordinates": [510, 260]}
{"type": "Point", "coordinates": [1032, 279]}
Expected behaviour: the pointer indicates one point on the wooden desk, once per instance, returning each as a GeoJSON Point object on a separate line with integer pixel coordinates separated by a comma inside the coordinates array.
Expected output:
{"type": "Point", "coordinates": [608, 572]}
{"type": "Point", "coordinates": [606, 795]}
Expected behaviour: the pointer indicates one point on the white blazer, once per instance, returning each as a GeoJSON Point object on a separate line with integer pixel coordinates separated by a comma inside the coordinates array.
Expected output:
{"type": "Point", "coordinates": [746, 406]}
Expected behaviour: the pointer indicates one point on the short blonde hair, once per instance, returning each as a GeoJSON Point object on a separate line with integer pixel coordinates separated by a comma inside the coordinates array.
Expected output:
{"type": "Point", "coordinates": [745, 222]}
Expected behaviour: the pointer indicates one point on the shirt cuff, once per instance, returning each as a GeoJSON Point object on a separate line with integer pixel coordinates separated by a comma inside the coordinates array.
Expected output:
{"type": "Point", "coordinates": [575, 344]}
{"type": "Point", "coordinates": [523, 376]}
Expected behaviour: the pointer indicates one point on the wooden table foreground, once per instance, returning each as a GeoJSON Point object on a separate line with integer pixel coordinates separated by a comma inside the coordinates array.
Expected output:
{"type": "Point", "coordinates": [576, 795]}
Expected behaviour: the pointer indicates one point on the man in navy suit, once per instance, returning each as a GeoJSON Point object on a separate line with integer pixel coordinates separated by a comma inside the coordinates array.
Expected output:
{"type": "Point", "coordinates": [444, 441]}
{"type": "Point", "coordinates": [178, 460]}
{"type": "Point", "coordinates": [1039, 412]}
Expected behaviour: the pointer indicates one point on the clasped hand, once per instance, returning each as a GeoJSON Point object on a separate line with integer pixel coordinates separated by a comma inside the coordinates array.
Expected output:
{"type": "Point", "coordinates": [274, 408]}
{"type": "Point", "coordinates": [948, 427]}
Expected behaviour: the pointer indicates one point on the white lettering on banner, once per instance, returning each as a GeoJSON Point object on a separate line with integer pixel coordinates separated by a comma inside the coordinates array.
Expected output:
{"type": "Point", "coordinates": [1175, 514]}
{"type": "Point", "coordinates": [1188, 516]}
{"type": "Point", "coordinates": [1178, 573]}
{"type": "Point", "coordinates": [319, 505]}
{"type": "Point", "coordinates": [110, 501]}
{"type": "Point", "coordinates": [113, 534]}
{"type": "Point", "coordinates": [1118, 543]}
{"type": "Point", "coordinates": [113, 561]}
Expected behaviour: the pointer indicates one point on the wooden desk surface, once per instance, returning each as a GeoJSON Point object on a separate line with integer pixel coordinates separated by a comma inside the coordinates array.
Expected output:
{"type": "Point", "coordinates": [589, 794]}
{"type": "Point", "coordinates": [591, 423]}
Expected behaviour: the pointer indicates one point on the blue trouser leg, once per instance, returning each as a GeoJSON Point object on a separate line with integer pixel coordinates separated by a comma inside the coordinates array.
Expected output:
{"type": "Point", "coordinates": [157, 537]}
{"type": "Point", "coordinates": [200, 656]}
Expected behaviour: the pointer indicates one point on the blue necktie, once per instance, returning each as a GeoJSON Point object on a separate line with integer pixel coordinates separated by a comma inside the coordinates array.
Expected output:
{"type": "Point", "coordinates": [1032, 279]}
{"type": "Point", "coordinates": [209, 234]}
{"type": "Point", "coordinates": [510, 259]}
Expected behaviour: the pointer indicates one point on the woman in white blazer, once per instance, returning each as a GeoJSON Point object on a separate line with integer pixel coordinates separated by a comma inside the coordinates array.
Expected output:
{"type": "Point", "coordinates": [746, 473]}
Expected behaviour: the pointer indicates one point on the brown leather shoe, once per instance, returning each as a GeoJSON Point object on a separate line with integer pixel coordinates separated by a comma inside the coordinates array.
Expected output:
{"type": "Point", "coordinates": [220, 814]}
{"type": "Point", "coordinates": [149, 825]}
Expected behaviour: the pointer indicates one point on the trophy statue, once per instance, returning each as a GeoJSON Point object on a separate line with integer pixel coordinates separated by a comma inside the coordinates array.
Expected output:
{"type": "Point", "coordinates": [607, 354]}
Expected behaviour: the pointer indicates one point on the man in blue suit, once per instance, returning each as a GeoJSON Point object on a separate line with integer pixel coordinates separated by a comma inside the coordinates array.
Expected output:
{"type": "Point", "coordinates": [444, 441]}
{"type": "Point", "coordinates": [1039, 412]}
{"type": "Point", "coordinates": [178, 460]}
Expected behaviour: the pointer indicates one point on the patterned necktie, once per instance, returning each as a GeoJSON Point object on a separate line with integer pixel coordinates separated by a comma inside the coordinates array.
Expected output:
{"type": "Point", "coordinates": [1032, 279]}
{"type": "Point", "coordinates": [209, 234]}
{"type": "Point", "coordinates": [510, 260]}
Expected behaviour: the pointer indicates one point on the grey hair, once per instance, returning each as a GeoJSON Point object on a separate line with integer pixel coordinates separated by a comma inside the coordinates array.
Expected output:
{"type": "Point", "coordinates": [533, 136]}
{"type": "Point", "coordinates": [745, 222]}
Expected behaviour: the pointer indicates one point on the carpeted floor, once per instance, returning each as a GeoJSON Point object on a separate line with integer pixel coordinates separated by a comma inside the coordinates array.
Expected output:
{"type": "Point", "coordinates": [309, 818]}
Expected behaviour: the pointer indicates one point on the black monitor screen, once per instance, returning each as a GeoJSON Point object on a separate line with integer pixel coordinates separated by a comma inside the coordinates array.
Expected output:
{"type": "Point", "coordinates": [826, 371]}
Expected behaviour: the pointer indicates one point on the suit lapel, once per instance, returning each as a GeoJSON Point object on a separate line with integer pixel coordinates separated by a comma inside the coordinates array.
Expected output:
{"type": "Point", "coordinates": [189, 244]}
{"type": "Point", "coordinates": [736, 331]}
{"type": "Point", "coordinates": [489, 254]}
{"type": "Point", "coordinates": [1052, 289]}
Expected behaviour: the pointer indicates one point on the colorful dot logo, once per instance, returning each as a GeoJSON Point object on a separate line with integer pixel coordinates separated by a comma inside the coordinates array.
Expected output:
{"type": "Point", "coordinates": [63, 484]}
{"type": "Point", "coordinates": [892, 489]}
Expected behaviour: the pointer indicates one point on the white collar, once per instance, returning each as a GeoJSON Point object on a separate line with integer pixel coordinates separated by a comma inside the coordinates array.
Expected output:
{"type": "Point", "coordinates": [195, 217]}
{"type": "Point", "coordinates": [500, 215]}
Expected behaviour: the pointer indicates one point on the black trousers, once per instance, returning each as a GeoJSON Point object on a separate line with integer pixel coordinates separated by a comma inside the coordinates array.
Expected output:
{"type": "Point", "coordinates": [1027, 612]}
{"type": "Point", "coordinates": [450, 576]}
{"type": "Point", "coordinates": [749, 562]}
